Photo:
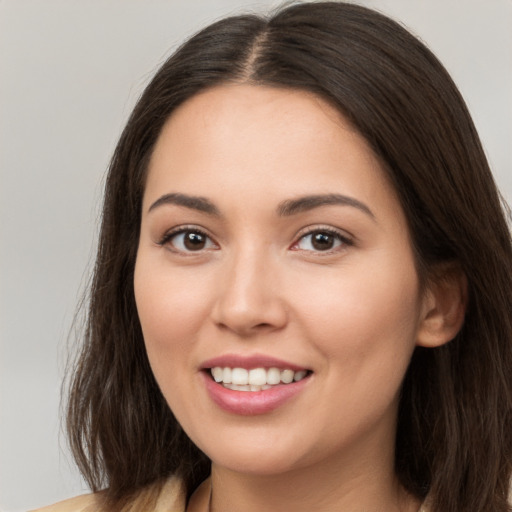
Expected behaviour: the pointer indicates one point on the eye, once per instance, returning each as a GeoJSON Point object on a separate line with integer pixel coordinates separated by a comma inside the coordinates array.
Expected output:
{"type": "Point", "coordinates": [321, 240]}
{"type": "Point", "coordinates": [188, 240]}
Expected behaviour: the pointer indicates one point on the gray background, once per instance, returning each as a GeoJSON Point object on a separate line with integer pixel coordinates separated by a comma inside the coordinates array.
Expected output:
{"type": "Point", "coordinates": [70, 72]}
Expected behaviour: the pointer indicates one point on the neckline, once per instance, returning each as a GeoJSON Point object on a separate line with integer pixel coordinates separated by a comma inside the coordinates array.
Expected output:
{"type": "Point", "coordinates": [201, 498]}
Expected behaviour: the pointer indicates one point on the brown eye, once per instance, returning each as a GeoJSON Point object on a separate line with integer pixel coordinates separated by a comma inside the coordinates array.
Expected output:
{"type": "Point", "coordinates": [188, 240]}
{"type": "Point", "coordinates": [322, 241]}
{"type": "Point", "coordinates": [194, 241]}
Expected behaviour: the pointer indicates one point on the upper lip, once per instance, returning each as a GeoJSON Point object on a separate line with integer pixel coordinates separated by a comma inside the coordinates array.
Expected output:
{"type": "Point", "coordinates": [248, 362]}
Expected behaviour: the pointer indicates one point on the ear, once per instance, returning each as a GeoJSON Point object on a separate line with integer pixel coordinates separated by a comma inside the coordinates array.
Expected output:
{"type": "Point", "coordinates": [443, 307]}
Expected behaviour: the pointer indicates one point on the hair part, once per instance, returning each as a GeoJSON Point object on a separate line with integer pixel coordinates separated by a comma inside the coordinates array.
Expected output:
{"type": "Point", "coordinates": [454, 437]}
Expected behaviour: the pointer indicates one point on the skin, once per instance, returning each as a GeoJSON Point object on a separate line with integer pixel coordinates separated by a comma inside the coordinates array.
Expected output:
{"type": "Point", "coordinates": [352, 314]}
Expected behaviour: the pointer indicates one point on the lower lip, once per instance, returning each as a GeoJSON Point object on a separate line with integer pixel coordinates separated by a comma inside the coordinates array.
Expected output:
{"type": "Point", "coordinates": [247, 403]}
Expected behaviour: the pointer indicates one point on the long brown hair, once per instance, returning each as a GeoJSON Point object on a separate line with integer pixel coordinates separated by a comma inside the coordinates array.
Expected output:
{"type": "Point", "coordinates": [454, 436]}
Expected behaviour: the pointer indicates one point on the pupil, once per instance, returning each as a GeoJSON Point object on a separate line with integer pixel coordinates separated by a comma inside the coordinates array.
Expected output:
{"type": "Point", "coordinates": [194, 241]}
{"type": "Point", "coordinates": [322, 241]}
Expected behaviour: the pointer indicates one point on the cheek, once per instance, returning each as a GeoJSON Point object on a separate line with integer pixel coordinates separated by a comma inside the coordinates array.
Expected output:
{"type": "Point", "coordinates": [366, 319]}
{"type": "Point", "coordinates": [367, 337]}
{"type": "Point", "coordinates": [171, 308]}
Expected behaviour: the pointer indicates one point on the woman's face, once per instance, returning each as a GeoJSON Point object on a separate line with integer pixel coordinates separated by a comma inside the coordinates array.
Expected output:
{"type": "Point", "coordinates": [273, 248]}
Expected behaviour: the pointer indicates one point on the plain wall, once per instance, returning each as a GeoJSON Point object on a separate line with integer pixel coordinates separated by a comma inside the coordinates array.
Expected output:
{"type": "Point", "coordinates": [70, 72]}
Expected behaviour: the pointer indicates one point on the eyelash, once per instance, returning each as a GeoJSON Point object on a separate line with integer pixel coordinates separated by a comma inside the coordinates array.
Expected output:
{"type": "Point", "coordinates": [344, 240]}
{"type": "Point", "coordinates": [167, 238]}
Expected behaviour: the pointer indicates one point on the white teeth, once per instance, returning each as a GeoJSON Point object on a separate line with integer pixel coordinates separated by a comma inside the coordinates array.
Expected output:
{"type": "Point", "coordinates": [217, 374]}
{"type": "Point", "coordinates": [226, 375]}
{"type": "Point", "coordinates": [236, 387]}
{"type": "Point", "coordinates": [299, 375]}
{"type": "Point", "coordinates": [273, 376]}
{"type": "Point", "coordinates": [287, 376]}
{"type": "Point", "coordinates": [239, 376]}
{"type": "Point", "coordinates": [256, 379]}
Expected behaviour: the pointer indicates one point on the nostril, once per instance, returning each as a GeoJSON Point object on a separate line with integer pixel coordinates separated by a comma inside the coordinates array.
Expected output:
{"type": "Point", "coordinates": [262, 326]}
{"type": "Point", "coordinates": [246, 306]}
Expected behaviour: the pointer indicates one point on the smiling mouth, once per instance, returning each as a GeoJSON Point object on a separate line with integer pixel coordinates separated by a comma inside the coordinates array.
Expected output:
{"type": "Point", "coordinates": [255, 379]}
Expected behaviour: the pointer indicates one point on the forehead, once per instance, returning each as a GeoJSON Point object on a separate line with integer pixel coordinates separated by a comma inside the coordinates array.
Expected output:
{"type": "Point", "coordinates": [264, 141]}
{"type": "Point", "coordinates": [241, 110]}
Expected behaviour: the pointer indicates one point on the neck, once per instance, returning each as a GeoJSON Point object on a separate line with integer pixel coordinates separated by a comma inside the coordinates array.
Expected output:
{"type": "Point", "coordinates": [354, 487]}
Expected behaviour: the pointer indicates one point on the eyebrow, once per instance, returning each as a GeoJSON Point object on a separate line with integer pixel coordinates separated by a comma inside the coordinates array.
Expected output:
{"type": "Point", "coordinates": [193, 202]}
{"type": "Point", "coordinates": [305, 203]}
{"type": "Point", "coordinates": [285, 208]}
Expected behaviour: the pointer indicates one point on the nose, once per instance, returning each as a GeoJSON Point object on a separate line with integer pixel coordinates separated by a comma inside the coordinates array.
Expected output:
{"type": "Point", "coordinates": [249, 300]}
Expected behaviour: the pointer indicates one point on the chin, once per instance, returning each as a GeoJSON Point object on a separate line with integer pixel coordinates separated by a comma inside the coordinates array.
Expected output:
{"type": "Point", "coordinates": [250, 465]}
{"type": "Point", "coordinates": [254, 458]}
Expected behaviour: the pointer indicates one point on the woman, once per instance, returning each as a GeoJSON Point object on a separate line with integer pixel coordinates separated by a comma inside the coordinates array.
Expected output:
{"type": "Point", "coordinates": [302, 291]}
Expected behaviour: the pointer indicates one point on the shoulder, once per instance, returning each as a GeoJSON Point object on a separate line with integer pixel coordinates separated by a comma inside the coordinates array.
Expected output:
{"type": "Point", "coordinates": [84, 503]}
{"type": "Point", "coordinates": [168, 496]}
{"type": "Point", "coordinates": [171, 497]}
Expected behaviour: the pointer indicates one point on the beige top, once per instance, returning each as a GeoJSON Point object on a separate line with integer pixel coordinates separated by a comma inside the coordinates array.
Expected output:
{"type": "Point", "coordinates": [171, 499]}
{"type": "Point", "coordinates": [200, 500]}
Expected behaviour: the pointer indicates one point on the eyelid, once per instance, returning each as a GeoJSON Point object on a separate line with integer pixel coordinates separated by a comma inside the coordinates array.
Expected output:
{"type": "Point", "coordinates": [177, 230]}
{"type": "Point", "coordinates": [346, 239]}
